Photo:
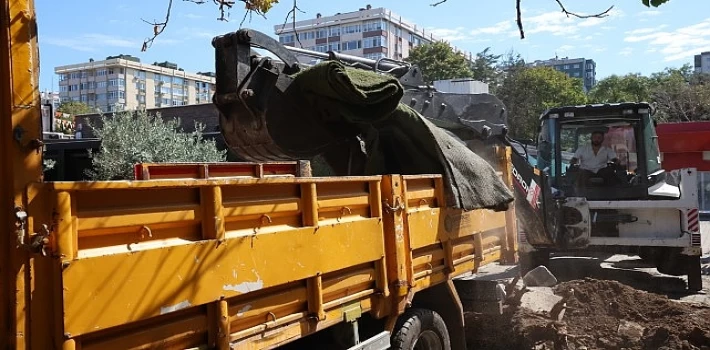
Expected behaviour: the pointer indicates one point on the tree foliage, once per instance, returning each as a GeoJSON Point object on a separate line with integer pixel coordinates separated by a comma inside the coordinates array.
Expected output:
{"type": "Point", "coordinates": [438, 61]}
{"type": "Point", "coordinates": [679, 94]}
{"type": "Point", "coordinates": [627, 88]}
{"type": "Point", "coordinates": [132, 137]}
{"type": "Point", "coordinates": [527, 92]}
{"type": "Point", "coordinates": [485, 67]}
{"type": "Point", "coordinates": [75, 108]}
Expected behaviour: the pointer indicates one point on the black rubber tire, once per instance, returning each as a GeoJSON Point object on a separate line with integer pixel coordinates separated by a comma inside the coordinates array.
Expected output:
{"type": "Point", "coordinates": [648, 255]}
{"type": "Point", "coordinates": [531, 260]}
{"type": "Point", "coordinates": [670, 261]}
{"type": "Point", "coordinates": [695, 278]}
{"type": "Point", "coordinates": [413, 324]}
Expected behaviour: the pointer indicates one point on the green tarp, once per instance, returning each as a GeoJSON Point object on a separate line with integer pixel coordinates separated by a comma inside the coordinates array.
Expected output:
{"type": "Point", "coordinates": [398, 139]}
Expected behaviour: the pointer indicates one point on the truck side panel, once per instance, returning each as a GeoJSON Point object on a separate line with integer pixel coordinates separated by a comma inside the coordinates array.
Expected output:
{"type": "Point", "coordinates": [156, 253]}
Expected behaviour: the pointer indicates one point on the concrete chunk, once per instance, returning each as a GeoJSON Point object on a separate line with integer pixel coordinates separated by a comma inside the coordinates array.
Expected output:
{"type": "Point", "coordinates": [631, 330]}
{"type": "Point", "coordinates": [540, 300]}
{"type": "Point", "coordinates": [540, 277]}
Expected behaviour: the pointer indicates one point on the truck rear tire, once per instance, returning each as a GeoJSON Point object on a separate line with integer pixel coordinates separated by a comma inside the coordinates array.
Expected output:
{"type": "Point", "coordinates": [420, 329]}
{"type": "Point", "coordinates": [695, 279]}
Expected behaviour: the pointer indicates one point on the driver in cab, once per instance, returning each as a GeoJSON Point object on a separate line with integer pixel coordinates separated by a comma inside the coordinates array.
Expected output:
{"type": "Point", "coordinates": [593, 159]}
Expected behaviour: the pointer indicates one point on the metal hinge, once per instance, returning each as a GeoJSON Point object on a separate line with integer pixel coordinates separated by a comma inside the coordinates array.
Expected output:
{"type": "Point", "coordinates": [38, 242]}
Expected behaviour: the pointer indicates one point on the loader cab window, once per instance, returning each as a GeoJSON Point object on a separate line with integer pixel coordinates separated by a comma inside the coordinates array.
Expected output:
{"type": "Point", "coordinates": [653, 155]}
{"type": "Point", "coordinates": [615, 165]}
{"type": "Point", "coordinates": [546, 147]}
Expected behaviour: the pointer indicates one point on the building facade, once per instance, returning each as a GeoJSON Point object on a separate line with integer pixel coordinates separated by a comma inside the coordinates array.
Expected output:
{"type": "Point", "coordinates": [581, 68]}
{"type": "Point", "coordinates": [123, 82]}
{"type": "Point", "coordinates": [372, 33]}
{"type": "Point", "coordinates": [702, 62]}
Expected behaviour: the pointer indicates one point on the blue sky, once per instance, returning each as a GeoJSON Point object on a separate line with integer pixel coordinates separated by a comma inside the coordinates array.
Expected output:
{"type": "Point", "coordinates": [633, 38]}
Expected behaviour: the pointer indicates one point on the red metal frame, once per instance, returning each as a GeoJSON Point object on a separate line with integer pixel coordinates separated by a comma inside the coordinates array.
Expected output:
{"type": "Point", "coordinates": [683, 144]}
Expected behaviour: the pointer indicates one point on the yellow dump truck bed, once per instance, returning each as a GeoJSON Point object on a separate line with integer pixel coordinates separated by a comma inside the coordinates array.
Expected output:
{"type": "Point", "coordinates": [255, 262]}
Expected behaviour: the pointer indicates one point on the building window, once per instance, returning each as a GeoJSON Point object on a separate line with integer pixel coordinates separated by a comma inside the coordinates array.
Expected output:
{"type": "Point", "coordinates": [165, 101]}
{"type": "Point", "coordinates": [286, 39]}
{"type": "Point", "coordinates": [63, 88]}
{"type": "Point", "coordinates": [322, 48]}
{"type": "Point", "coordinates": [352, 45]}
{"type": "Point", "coordinates": [306, 36]}
{"type": "Point", "coordinates": [334, 31]}
{"type": "Point", "coordinates": [140, 98]}
{"type": "Point", "coordinates": [140, 74]}
{"type": "Point", "coordinates": [334, 46]}
{"type": "Point", "coordinates": [100, 97]}
{"type": "Point", "coordinates": [322, 33]}
{"type": "Point", "coordinates": [117, 82]}
{"type": "Point", "coordinates": [373, 26]}
{"type": "Point", "coordinates": [140, 86]}
{"type": "Point", "coordinates": [178, 91]}
{"type": "Point", "coordinates": [101, 72]}
{"type": "Point", "coordinates": [178, 103]}
{"type": "Point", "coordinates": [576, 66]}
{"type": "Point", "coordinates": [101, 84]}
{"type": "Point", "coordinates": [178, 80]}
{"type": "Point", "coordinates": [352, 29]}
{"type": "Point", "coordinates": [374, 56]}
{"type": "Point", "coordinates": [166, 90]}
{"type": "Point", "coordinates": [398, 31]}
{"type": "Point", "coordinates": [375, 41]}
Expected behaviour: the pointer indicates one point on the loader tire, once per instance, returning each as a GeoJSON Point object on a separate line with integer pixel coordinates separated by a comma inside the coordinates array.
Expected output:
{"type": "Point", "coordinates": [695, 279]}
{"type": "Point", "coordinates": [420, 329]}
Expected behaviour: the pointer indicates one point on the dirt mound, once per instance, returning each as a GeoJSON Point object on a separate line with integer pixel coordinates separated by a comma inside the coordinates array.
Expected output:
{"type": "Point", "coordinates": [599, 315]}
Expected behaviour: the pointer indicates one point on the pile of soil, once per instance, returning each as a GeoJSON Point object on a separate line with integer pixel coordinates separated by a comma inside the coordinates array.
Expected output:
{"type": "Point", "coordinates": [599, 315]}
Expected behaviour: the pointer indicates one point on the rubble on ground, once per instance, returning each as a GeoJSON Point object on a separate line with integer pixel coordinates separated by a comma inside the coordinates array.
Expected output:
{"type": "Point", "coordinates": [589, 314]}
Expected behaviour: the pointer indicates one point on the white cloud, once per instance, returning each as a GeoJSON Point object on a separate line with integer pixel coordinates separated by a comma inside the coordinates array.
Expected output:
{"type": "Point", "coordinates": [645, 30]}
{"type": "Point", "coordinates": [627, 51]}
{"type": "Point", "coordinates": [498, 28]}
{"type": "Point", "coordinates": [110, 40]}
{"type": "Point", "coordinates": [600, 49]}
{"type": "Point", "coordinates": [559, 24]}
{"type": "Point", "coordinates": [649, 13]}
{"type": "Point", "coordinates": [681, 43]}
{"type": "Point", "coordinates": [193, 16]}
{"type": "Point", "coordinates": [447, 34]}
{"type": "Point", "coordinates": [564, 48]}
{"type": "Point", "coordinates": [73, 44]}
{"type": "Point", "coordinates": [90, 42]}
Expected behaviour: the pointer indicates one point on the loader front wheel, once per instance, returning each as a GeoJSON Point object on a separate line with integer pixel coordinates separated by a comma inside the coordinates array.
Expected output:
{"type": "Point", "coordinates": [420, 329]}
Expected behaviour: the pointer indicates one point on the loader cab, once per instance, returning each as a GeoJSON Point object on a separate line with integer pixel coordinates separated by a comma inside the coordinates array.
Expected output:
{"type": "Point", "coordinates": [628, 131]}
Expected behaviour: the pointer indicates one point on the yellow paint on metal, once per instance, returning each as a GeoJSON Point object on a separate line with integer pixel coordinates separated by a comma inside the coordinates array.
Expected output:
{"type": "Point", "coordinates": [178, 277]}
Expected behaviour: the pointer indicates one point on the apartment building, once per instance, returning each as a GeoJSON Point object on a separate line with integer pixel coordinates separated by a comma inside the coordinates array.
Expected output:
{"type": "Point", "coordinates": [582, 68]}
{"type": "Point", "coordinates": [123, 82]}
{"type": "Point", "coordinates": [372, 33]}
{"type": "Point", "coordinates": [702, 62]}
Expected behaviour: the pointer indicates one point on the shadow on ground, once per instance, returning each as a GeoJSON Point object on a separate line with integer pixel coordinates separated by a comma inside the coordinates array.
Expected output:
{"type": "Point", "coordinates": [631, 271]}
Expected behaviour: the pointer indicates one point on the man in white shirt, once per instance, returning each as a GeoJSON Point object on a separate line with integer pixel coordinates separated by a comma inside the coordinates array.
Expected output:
{"type": "Point", "coordinates": [595, 157]}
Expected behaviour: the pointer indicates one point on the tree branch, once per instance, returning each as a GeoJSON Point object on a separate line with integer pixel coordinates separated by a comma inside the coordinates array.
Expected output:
{"type": "Point", "coordinates": [598, 15]}
{"type": "Point", "coordinates": [158, 27]}
{"type": "Point", "coordinates": [519, 19]}
{"type": "Point", "coordinates": [252, 6]}
{"type": "Point", "coordinates": [292, 14]}
{"type": "Point", "coordinates": [439, 2]}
